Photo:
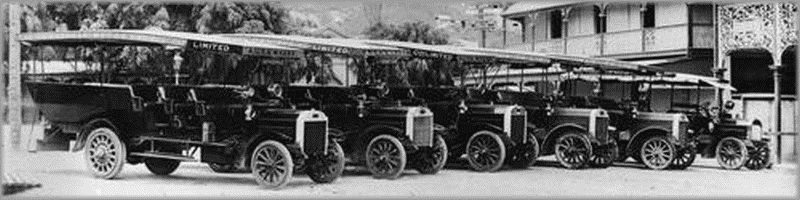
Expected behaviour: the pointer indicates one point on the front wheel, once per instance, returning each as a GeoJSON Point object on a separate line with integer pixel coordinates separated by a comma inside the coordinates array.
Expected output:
{"type": "Point", "coordinates": [657, 152]}
{"type": "Point", "coordinates": [685, 158]}
{"type": "Point", "coordinates": [271, 164]}
{"type": "Point", "coordinates": [432, 159]}
{"type": "Point", "coordinates": [486, 152]}
{"type": "Point", "coordinates": [759, 157]}
{"type": "Point", "coordinates": [605, 155]}
{"type": "Point", "coordinates": [731, 153]}
{"type": "Point", "coordinates": [386, 157]}
{"type": "Point", "coordinates": [573, 150]}
{"type": "Point", "coordinates": [105, 153]}
{"type": "Point", "coordinates": [526, 154]}
{"type": "Point", "coordinates": [326, 168]}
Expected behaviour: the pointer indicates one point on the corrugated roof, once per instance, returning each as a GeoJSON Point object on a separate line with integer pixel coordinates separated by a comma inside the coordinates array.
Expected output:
{"type": "Point", "coordinates": [526, 6]}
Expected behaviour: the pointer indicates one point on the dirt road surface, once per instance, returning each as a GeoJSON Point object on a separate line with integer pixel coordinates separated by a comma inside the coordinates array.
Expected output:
{"type": "Point", "coordinates": [64, 175]}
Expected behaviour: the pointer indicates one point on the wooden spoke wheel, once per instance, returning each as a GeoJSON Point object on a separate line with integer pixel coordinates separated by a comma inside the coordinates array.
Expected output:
{"type": "Point", "coordinates": [526, 154]}
{"type": "Point", "coordinates": [573, 150]}
{"type": "Point", "coordinates": [104, 153]}
{"type": "Point", "coordinates": [605, 155]}
{"type": "Point", "coordinates": [758, 157]}
{"type": "Point", "coordinates": [657, 152]}
{"type": "Point", "coordinates": [271, 164]}
{"type": "Point", "coordinates": [485, 151]}
{"type": "Point", "coordinates": [160, 166]}
{"type": "Point", "coordinates": [386, 157]}
{"type": "Point", "coordinates": [684, 158]}
{"type": "Point", "coordinates": [731, 153]}
{"type": "Point", "coordinates": [432, 159]}
{"type": "Point", "coordinates": [326, 168]}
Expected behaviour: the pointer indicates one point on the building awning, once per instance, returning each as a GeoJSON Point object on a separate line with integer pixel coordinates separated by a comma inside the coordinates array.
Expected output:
{"type": "Point", "coordinates": [187, 41]}
{"type": "Point", "coordinates": [528, 6]}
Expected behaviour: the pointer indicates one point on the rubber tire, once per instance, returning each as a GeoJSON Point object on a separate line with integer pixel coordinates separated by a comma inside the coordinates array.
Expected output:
{"type": "Point", "coordinates": [120, 152]}
{"type": "Point", "coordinates": [585, 142]}
{"type": "Point", "coordinates": [160, 166]}
{"type": "Point", "coordinates": [527, 154]}
{"type": "Point", "coordinates": [689, 154]}
{"type": "Point", "coordinates": [426, 152]}
{"type": "Point", "coordinates": [612, 151]}
{"type": "Point", "coordinates": [336, 153]}
{"type": "Point", "coordinates": [743, 151]}
{"type": "Point", "coordinates": [758, 157]}
{"type": "Point", "coordinates": [669, 160]}
{"type": "Point", "coordinates": [401, 154]}
{"type": "Point", "coordinates": [472, 158]}
{"type": "Point", "coordinates": [282, 151]}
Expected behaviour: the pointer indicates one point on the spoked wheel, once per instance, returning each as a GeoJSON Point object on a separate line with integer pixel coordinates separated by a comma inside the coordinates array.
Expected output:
{"type": "Point", "coordinates": [657, 152]}
{"type": "Point", "coordinates": [160, 166]}
{"type": "Point", "coordinates": [386, 157]}
{"type": "Point", "coordinates": [526, 154]}
{"type": "Point", "coordinates": [485, 151]}
{"type": "Point", "coordinates": [758, 158]}
{"type": "Point", "coordinates": [271, 164]}
{"type": "Point", "coordinates": [432, 159]}
{"type": "Point", "coordinates": [105, 153]}
{"type": "Point", "coordinates": [685, 157]}
{"type": "Point", "coordinates": [573, 150]}
{"type": "Point", "coordinates": [731, 153]}
{"type": "Point", "coordinates": [605, 155]}
{"type": "Point", "coordinates": [326, 168]}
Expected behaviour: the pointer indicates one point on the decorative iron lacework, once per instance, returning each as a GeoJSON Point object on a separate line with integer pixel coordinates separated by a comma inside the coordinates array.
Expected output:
{"type": "Point", "coordinates": [764, 36]}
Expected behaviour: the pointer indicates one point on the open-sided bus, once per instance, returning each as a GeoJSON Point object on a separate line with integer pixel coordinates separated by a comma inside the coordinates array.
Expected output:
{"type": "Point", "coordinates": [384, 136]}
{"type": "Point", "coordinates": [490, 135]}
{"type": "Point", "coordinates": [162, 124]}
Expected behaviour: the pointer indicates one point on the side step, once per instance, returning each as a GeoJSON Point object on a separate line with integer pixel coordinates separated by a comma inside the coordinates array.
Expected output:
{"type": "Point", "coordinates": [171, 156]}
{"type": "Point", "coordinates": [182, 141]}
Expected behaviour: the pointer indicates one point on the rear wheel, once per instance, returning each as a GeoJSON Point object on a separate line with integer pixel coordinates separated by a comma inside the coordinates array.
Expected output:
{"type": "Point", "coordinates": [526, 154]}
{"type": "Point", "coordinates": [485, 151]}
{"type": "Point", "coordinates": [271, 164]}
{"type": "Point", "coordinates": [160, 166]}
{"type": "Point", "coordinates": [759, 157]}
{"type": "Point", "coordinates": [685, 157]}
{"type": "Point", "coordinates": [386, 157]}
{"type": "Point", "coordinates": [731, 153]}
{"type": "Point", "coordinates": [657, 152]}
{"type": "Point", "coordinates": [432, 159]}
{"type": "Point", "coordinates": [605, 155]}
{"type": "Point", "coordinates": [573, 150]}
{"type": "Point", "coordinates": [104, 153]}
{"type": "Point", "coordinates": [326, 168]}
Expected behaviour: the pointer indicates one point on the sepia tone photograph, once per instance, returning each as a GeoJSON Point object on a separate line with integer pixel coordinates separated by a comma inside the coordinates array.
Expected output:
{"type": "Point", "coordinates": [399, 99]}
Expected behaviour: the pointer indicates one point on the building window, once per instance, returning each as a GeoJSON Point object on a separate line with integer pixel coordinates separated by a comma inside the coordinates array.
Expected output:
{"type": "Point", "coordinates": [599, 21]}
{"type": "Point", "coordinates": [555, 24]}
{"type": "Point", "coordinates": [649, 16]}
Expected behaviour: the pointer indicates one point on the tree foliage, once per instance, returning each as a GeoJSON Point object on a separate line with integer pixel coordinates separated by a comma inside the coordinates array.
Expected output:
{"type": "Point", "coordinates": [417, 32]}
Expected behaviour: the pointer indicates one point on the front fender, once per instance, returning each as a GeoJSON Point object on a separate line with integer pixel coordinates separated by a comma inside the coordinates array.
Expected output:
{"type": "Point", "coordinates": [495, 129]}
{"type": "Point", "coordinates": [88, 127]}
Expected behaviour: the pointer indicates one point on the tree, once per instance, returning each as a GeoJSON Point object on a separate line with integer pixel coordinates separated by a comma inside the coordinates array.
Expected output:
{"type": "Point", "coordinates": [418, 32]}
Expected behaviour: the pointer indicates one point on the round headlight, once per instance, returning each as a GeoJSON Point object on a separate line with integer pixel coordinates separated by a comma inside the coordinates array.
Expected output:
{"type": "Point", "coordinates": [710, 126]}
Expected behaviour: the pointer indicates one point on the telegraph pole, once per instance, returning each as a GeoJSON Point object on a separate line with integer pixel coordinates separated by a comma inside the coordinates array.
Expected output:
{"type": "Point", "coordinates": [14, 79]}
{"type": "Point", "coordinates": [483, 29]}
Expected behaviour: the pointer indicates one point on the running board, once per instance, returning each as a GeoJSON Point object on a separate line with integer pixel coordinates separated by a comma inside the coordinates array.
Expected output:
{"type": "Point", "coordinates": [182, 141]}
{"type": "Point", "coordinates": [171, 156]}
